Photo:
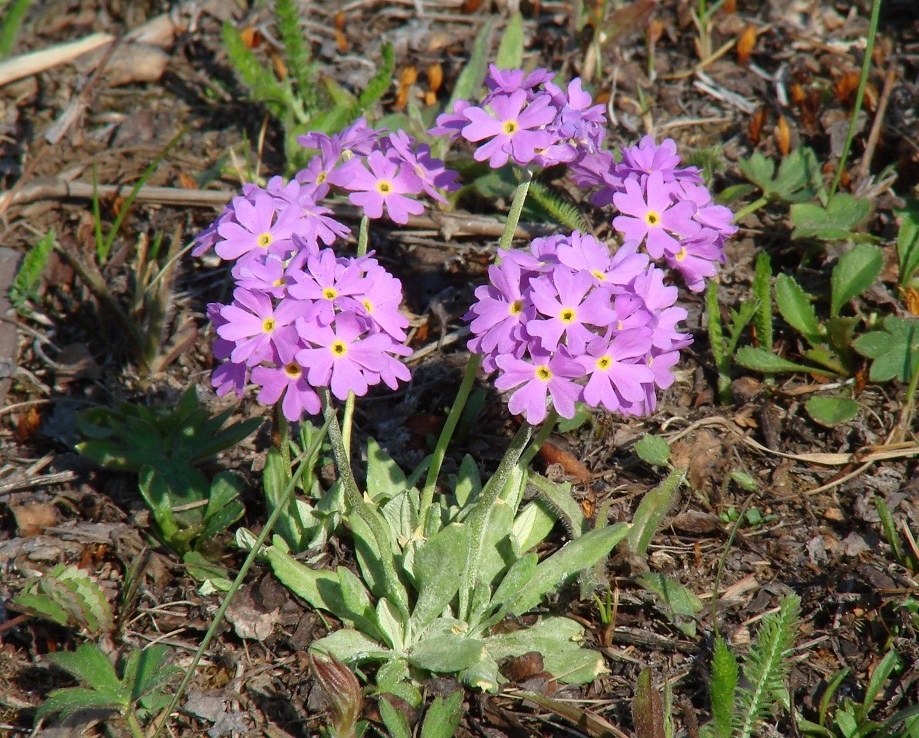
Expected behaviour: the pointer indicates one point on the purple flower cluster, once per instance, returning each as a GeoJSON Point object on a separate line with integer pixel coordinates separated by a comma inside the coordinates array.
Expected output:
{"type": "Point", "coordinates": [527, 118]}
{"type": "Point", "coordinates": [666, 208]}
{"type": "Point", "coordinates": [301, 317]}
{"type": "Point", "coordinates": [567, 320]}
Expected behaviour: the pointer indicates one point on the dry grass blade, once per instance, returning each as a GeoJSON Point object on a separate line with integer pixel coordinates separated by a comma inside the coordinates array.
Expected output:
{"type": "Point", "coordinates": [589, 722]}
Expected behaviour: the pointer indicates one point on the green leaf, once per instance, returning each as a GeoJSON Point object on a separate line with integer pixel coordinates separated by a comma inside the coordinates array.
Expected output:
{"type": "Point", "coordinates": [156, 493]}
{"type": "Point", "coordinates": [510, 49]}
{"type": "Point", "coordinates": [439, 568]}
{"type": "Point", "coordinates": [722, 688]}
{"type": "Point", "coordinates": [12, 19]}
{"type": "Point", "coordinates": [879, 676]}
{"type": "Point", "coordinates": [352, 646]}
{"type": "Point", "coordinates": [396, 723]}
{"type": "Point", "coordinates": [761, 360]}
{"type": "Point", "coordinates": [74, 699]}
{"type": "Point", "coordinates": [381, 81]}
{"type": "Point", "coordinates": [147, 671]}
{"type": "Point", "coordinates": [532, 525]}
{"type": "Point", "coordinates": [319, 587]}
{"type": "Point", "coordinates": [907, 241]}
{"type": "Point", "coordinates": [830, 411]}
{"type": "Point", "coordinates": [762, 294]}
{"type": "Point", "coordinates": [559, 499]}
{"type": "Point", "coordinates": [652, 510]}
{"type": "Point", "coordinates": [577, 555]}
{"type": "Point", "coordinates": [468, 483]}
{"type": "Point", "coordinates": [483, 675]}
{"type": "Point", "coordinates": [895, 349]}
{"type": "Point", "coordinates": [223, 505]}
{"type": "Point", "coordinates": [91, 667]}
{"type": "Point", "coordinates": [40, 606]}
{"type": "Point", "coordinates": [797, 180]}
{"type": "Point", "coordinates": [470, 79]}
{"type": "Point", "coordinates": [33, 265]}
{"type": "Point", "coordinates": [385, 480]}
{"type": "Point", "coordinates": [296, 52]}
{"type": "Point", "coordinates": [855, 272]}
{"type": "Point", "coordinates": [834, 222]}
{"type": "Point", "coordinates": [517, 577]}
{"type": "Point", "coordinates": [357, 603]}
{"type": "Point", "coordinates": [393, 678]}
{"type": "Point", "coordinates": [443, 716]}
{"type": "Point", "coordinates": [447, 653]}
{"type": "Point", "coordinates": [391, 624]}
{"type": "Point", "coordinates": [677, 598]}
{"type": "Point", "coordinates": [653, 450]}
{"type": "Point", "coordinates": [260, 81]}
{"type": "Point", "coordinates": [796, 307]}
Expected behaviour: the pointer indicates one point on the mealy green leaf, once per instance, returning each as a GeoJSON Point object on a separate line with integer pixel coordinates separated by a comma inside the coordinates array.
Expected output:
{"type": "Point", "coordinates": [855, 272]}
{"type": "Point", "coordinates": [393, 678]}
{"type": "Point", "coordinates": [385, 479]}
{"type": "Point", "coordinates": [831, 411]}
{"type": "Point", "coordinates": [381, 81]}
{"type": "Point", "coordinates": [559, 499]}
{"type": "Point", "coordinates": [470, 78]}
{"type": "Point", "coordinates": [532, 525]}
{"type": "Point", "coordinates": [395, 721]}
{"type": "Point", "coordinates": [796, 307]}
{"type": "Point", "coordinates": [677, 598]}
{"type": "Point", "coordinates": [443, 716]}
{"type": "Point", "coordinates": [651, 512]}
{"type": "Point", "coordinates": [577, 555]}
{"type": "Point", "coordinates": [352, 646]}
{"type": "Point", "coordinates": [510, 49]}
{"type": "Point", "coordinates": [357, 603]}
{"type": "Point", "coordinates": [835, 222]}
{"type": "Point", "coordinates": [653, 450]}
{"type": "Point", "coordinates": [439, 568]}
{"type": "Point", "coordinates": [447, 653]}
{"type": "Point", "coordinates": [761, 360]}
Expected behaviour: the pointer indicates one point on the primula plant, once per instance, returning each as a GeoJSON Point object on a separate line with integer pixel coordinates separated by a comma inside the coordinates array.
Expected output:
{"type": "Point", "coordinates": [566, 320]}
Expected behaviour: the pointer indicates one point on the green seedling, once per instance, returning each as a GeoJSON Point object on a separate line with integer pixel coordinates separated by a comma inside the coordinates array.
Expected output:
{"type": "Point", "coordinates": [848, 718]}
{"type": "Point", "coordinates": [27, 278]}
{"type": "Point", "coordinates": [137, 694]}
{"type": "Point", "coordinates": [741, 707]}
{"type": "Point", "coordinates": [13, 14]}
{"type": "Point", "coordinates": [165, 446]}
{"type": "Point", "coordinates": [302, 101]}
{"type": "Point", "coordinates": [69, 597]}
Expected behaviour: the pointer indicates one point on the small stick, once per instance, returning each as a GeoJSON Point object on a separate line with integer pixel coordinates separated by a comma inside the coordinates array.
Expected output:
{"type": "Point", "coordinates": [39, 61]}
{"type": "Point", "coordinates": [889, 79]}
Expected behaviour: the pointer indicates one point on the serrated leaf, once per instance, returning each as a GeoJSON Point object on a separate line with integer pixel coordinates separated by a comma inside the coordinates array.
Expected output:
{"type": "Point", "coordinates": [796, 307]}
{"type": "Point", "coordinates": [91, 667]}
{"type": "Point", "coordinates": [40, 606]}
{"type": "Point", "coordinates": [446, 654]}
{"type": "Point", "coordinates": [653, 450]}
{"type": "Point", "coordinates": [510, 49]}
{"type": "Point", "coordinates": [830, 411]}
{"type": "Point", "coordinates": [761, 360]}
{"type": "Point", "coordinates": [797, 179]}
{"type": "Point", "coordinates": [835, 222]}
{"type": "Point", "coordinates": [577, 555]}
{"type": "Point", "coordinates": [74, 699]}
{"type": "Point", "coordinates": [722, 688]}
{"type": "Point", "coordinates": [895, 349]}
{"type": "Point", "coordinates": [855, 272]}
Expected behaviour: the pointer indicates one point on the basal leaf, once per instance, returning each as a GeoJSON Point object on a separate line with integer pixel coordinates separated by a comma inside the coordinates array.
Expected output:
{"type": "Point", "coordinates": [908, 241]}
{"type": "Point", "coordinates": [722, 688]}
{"type": "Point", "coordinates": [510, 49]}
{"type": "Point", "coordinates": [677, 598]}
{"type": "Point", "coordinates": [439, 568]}
{"type": "Point", "coordinates": [653, 450]}
{"type": "Point", "coordinates": [395, 721]}
{"type": "Point", "coordinates": [831, 411]}
{"type": "Point", "coordinates": [761, 360]}
{"type": "Point", "coordinates": [470, 78]}
{"type": "Point", "coordinates": [352, 646]}
{"type": "Point", "coordinates": [446, 654]}
{"type": "Point", "coordinates": [895, 349]}
{"type": "Point", "coordinates": [855, 272]}
{"type": "Point", "coordinates": [796, 307]}
{"type": "Point", "coordinates": [651, 512]}
{"type": "Point", "coordinates": [385, 479]}
{"type": "Point", "coordinates": [91, 667]}
{"type": "Point", "coordinates": [381, 81]}
{"type": "Point", "coordinates": [443, 716]}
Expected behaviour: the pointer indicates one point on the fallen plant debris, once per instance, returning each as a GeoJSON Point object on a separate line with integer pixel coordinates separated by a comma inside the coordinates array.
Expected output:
{"type": "Point", "coordinates": [687, 228]}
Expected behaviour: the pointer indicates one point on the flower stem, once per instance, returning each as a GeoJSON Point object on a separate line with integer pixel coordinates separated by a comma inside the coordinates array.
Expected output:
{"type": "Point", "coordinates": [363, 236]}
{"type": "Point", "coordinates": [751, 208]}
{"type": "Point", "coordinates": [282, 506]}
{"type": "Point", "coordinates": [479, 516]}
{"type": "Point", "coordinates": [369, 515]}
{"type": "Point", "coordinates": [440, 451]}
{"type": "Point", "coordinates": [513, 215]}
{"type": "Point", "coordinates": [859, 95]}
{"type": "Point", "coordinates": [133, 723]}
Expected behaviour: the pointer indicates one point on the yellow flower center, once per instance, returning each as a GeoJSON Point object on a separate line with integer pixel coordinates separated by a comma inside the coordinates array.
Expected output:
{"type": "Point", "coordinates": [510, 127]}
{"type": "Point", "coordinates": [368, 306]}
{"type": "Point", "coordinates": [681, 255]}
{"type": "Point", "coordinates": [293, 370]}
{"type": "Point", "coordinates": [516, 307]}
{"type": "Point", "coordinates": [598, 274]}
{"type": "Point", "coordinates": [320, 178]}
{"type": "Point", "coordinates": [567, 315]}
{"type": "Point", "coordinates": [268, 325]}
{"type": "Point", "coordinates": [652, 218]}
{"type": "Point", "coordinates": [339, 348]}
{"type": "Point", "coordinates": [279, 282]}
{"type": "Point", "coordinates": [264, 240]}
{"type": "Point", "coordinates": [544, 373]}
{"type": "Point", "coordinates": [604, 362]}
{"type": "Point", "coordinates": [330, 293]}
{"type": "Point", "coordinates": [384, 187]}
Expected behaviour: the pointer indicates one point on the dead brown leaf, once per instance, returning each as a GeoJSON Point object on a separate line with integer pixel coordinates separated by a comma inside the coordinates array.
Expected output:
{"type": "Point", "coordinates": [574, 467]}
{"type": "Point", "coordinates": [32, 519]}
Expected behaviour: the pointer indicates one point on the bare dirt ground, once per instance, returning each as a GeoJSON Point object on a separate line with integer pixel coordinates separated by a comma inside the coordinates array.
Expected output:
{"type": "Point", "coordinates": [817, 531]}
